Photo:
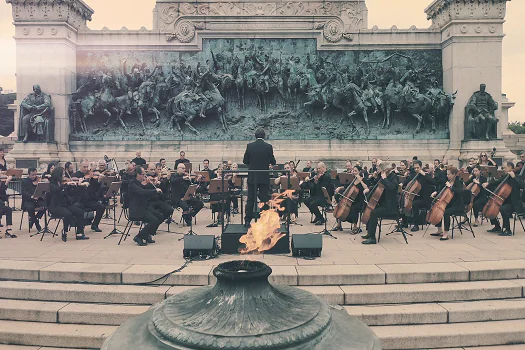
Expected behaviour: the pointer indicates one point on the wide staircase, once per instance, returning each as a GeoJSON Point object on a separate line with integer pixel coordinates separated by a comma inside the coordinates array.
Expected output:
{"type": "Point", "coordinates": [408, 306]}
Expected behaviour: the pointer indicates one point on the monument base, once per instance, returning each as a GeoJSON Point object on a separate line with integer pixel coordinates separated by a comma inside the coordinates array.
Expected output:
{"type": "Point", "coordinates": [472, 148]}
{"type": "Point", "coordinates": [38, 154]}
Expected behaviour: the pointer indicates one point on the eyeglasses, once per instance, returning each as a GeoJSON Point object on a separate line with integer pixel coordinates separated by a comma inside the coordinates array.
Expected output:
{"type": "Point", "coordinates": [483, 155]}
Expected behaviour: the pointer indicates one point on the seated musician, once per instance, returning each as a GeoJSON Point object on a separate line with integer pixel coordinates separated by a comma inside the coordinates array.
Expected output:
{"type": "Point", "coordinates": [308, 167]}
{"type": "Point", "coordinates": [157, 203]}
{"type": "Point", "coordinates": [203, 185]}
{"type": "Point", "coordinates": [180, 182]}
{"type": "Point", "coordinates": [88, 197]}
{"type": "Point", "coordinates": [182, 159]}
{"type": "Point", "coordinates": [126, 175]}
{"type": "Point", "coordinates": [481, 199]}
{"type": "Point", "coordinates": [68, 170]}
{"type": "Point", "coordinates": [138, 208]}
{"type": "Point", "coordinates": [163, 165]}
{"type": "Point", "coordinates": [471, 164]}
{"type": "Point", "coordinates": [60, 207]}
{"type": "Point", "coordinates": [402, 169]}
{"type": "Point", "coordinates": [316, 199]}
{"type": "Point", "coordinates": [30, 204]}
{"type": "Point", "coordinates": [234, 190]}
{"type": "Point", "coordinates": [47, 174]}
{"type": "Point", "coordinates": [357, 205]}
{"type": "Point", "coordinates": [5, 209]}
{"type": "Point", "coordinates": [291, 205]}
{"type": "Point", "coordinates": [387, 205]}
{"type": "Point", "coordinates": [455, 206]}
{"type": "Point", "coordinates": [512, 203]}
{"type": "Point", "coordinates": [423, 200]}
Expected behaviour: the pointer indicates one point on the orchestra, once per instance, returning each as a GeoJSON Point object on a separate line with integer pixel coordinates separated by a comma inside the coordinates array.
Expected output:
{"type": "Point", "coordinates": [417, 195]}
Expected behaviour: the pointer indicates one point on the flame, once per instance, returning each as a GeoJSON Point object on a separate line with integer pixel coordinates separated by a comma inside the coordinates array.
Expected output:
{"type": "Point", "coordinates": [264, 234]}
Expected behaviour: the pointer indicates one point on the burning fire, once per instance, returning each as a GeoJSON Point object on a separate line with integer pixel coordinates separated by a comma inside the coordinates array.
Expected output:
{"type": "Point", "coordinates": [264, 234]}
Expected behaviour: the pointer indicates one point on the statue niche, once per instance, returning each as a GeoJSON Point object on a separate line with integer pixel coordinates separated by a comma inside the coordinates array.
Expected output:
{"type": "Point", "coordinates": [36, 117]}
{"type": "Point", "coordinates": [481, 123]}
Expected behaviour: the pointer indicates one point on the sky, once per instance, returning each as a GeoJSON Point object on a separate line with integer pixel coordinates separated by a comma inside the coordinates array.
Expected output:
{"type": "Point", "coordinates": [115, 14]}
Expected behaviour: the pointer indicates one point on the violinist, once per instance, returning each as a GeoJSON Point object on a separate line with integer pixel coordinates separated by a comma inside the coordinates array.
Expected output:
{"type": "Point", "coordinates": [87, 195]}
{"type": "Point", "coordinates": [47, 174]}
{"type": "Point", "coordinates": [512, 202]}
{"type": "Point", "coordinates": [157, 203]}
{"type": "Point", "coordinates": [316, 199]}
{"type": "Point", "coordinates": [357, 205]}
{"type": "Point", "coordinates": [455, 206]}
{"type": "Point", "coordinates": [481, 198]}
{"type": "Point", "coordinates": [68, 170]}
{"type": "Point", "coordinates": [29, 203]}
{"type": "Point", "coordinates": [59, 206]}
{"type": "Point", "coordinates": [163, 165]}
{"type": "Point", "coordinates": [387, 204]}
{"type": "Point", "coordinates": [308, 167]}
{"type": "Point", "coordinates": [5, 209]}
{"type": "Point", "coordinates": [126, 175]}
{"type": "Point", "coordinates": [180, 181]}
{"type": "Point", "coordinates": [3, 162]}
{"type": "Point", "coordinates": [440, 173]}
{"type": "Point", "coordinates": [234, 189]}
{"type": "Point", "coordinates": [423, 200]}
{"type": "Point", "coordinates": [290, 205]}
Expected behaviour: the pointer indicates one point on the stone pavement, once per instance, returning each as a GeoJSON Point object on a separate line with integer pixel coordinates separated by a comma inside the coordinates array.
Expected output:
{"type": "Point", "coordinates": [345, 250]}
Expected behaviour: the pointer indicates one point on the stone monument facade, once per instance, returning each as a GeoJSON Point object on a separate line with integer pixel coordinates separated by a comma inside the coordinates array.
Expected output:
{"type": "Point", "coordinates": [323, 84]}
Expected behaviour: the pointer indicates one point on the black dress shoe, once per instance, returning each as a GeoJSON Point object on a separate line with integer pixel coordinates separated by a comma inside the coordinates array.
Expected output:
{"type": "Point", "coordinates": [495, 229]}
{"type": "Point", "coordinates": [64, 237]}
{"type": "Point", "coordinates": [319, 222]}
{"type": "Point", "coordinates": [370, 241]}
{"type": "Point", "coordinates": [150, 240]}
{"type": "Point", "coordinates": [414, 228]}
{"type": "Point", "coordinates": [82, 237]}
{"type": "Point", "coordinates": [365, 236]}
{"type": "Point", "coordinates": [505, 233]}
{"type": "Point", "coordinates": [96, 229]}
{"type": "Point", "coordinates": [139, 241]}
{"type": "Point", "coordinates": [247, 225]}
{"type": "Point", "coordinates": [338, 228]}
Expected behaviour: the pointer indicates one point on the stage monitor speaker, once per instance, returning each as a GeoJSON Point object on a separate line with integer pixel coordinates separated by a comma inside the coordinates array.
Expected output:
{"type": "Point", "coordinates": [309, 245]}
{"type": "Point", "coordinates": [195, 246]}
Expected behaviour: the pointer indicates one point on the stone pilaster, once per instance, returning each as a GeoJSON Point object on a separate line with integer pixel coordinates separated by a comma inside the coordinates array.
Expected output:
{"type": "Point", "coordinates": [45, 34]}
{"type": "Point", "coordinates": [471, 36]}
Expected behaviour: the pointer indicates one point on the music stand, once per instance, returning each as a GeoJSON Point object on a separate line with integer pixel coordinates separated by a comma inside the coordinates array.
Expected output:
{"type": "Point", "coordinates": [106, 182]}
{"type": "Point", "coordinates": [16, 173]}
{"type": "Point", "coordinates": [190, 193]}
{"type": "Point", "coordinates": [42, 188]}
{"type": "Point", "coordinates": [345, 178]}
{"type": "Point", "coordinates": [205, 175]}
{"type": "Point", "coordinates": [328, 201]}
{"type": "Point", "coordinates": [188, 166]}
{"type": "Point", "coordinates": [303, 175]}
{"type": "Point", "coordinates": [217, 186]}
{"type": "Point", "coordinates": [112, 193]}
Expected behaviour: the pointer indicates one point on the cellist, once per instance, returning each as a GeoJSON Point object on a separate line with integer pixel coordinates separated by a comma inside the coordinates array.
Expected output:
{"type": "Point", "coordinates": [423, 200]}
{"type": "Point", "coordinates": [455, 206]}
{"type": "Point", "coordinates": [481, 198]}
{"type": "Point", "coordinates": [387, 204]}
{"type": "Point", "coordinates": [357, 205]}
{"type": "Point", "coordinates": [512, 203]}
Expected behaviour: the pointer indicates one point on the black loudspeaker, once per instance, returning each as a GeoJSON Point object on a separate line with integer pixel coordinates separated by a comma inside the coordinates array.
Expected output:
{"type": "Point", "coordinates": [233, 232]}
{"type": "Point", "coordinates": [199, 246]}
{"type": "Point", "coordinates": [310, 245]}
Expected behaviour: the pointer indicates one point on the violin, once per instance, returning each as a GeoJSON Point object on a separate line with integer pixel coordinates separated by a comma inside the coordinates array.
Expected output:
{"type": "Point", "coordinates": [437, 210]}
{"type": "Point", "coordinates": [342, 209]}
{"type": "Point", "coordinates": [373, 199]}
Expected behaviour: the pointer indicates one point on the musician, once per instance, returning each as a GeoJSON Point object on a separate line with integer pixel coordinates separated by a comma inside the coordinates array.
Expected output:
{"type": "Point", "coordinates": [157, 202]}
{"type": "Point", "coordinates": [423, 200]}
{"type": "Point", "coordinates": [88, 196]}
{"type": "Point", "coordinates": [387, 204]}
{"type": "Point", "coordinates": [455, 206]}
{"type": "Point", "coordinates": [138, 208]}
{"type": "Point", "coordinates": [316, 199]}
{"type": "Point", "coordinates": [47, 174]}
{"type": "Point", "coordinates": [290, 205]}
{"type": "Point", "coordinates": [180, 182]}
{"type": "Point", "coordinates": [471, 164]}
{"type": "Point", "coordinates": [485, 160]}
{"type": "Point", "coordinates": [258, 156]}
{"type": "Point", "coordinates": [3, 162]}
{"type": "Point", "coordinates": [163, 165]}
{"type": "Point", "coordinates": [234, 190]}
{"type": "Point", "coordinates": [402, 169]}
{"type": "Point", "coordinates": [481, 199]}
{"type": "Point", "coordinates": [357, 205]}
{"type": "Point", "coordinates": [182, 159]}
{"type": "Point", "coordinates": [308, 167]}
{"type": "Point", "coordinates": [138, 160]}
{"type": "Point", "coordinates": [68, 169]}
{"type": "Point", "coordinates": [512, 203]}
{"type": "Point", "coordinates": [59, 206]}
{"type": "Point", "coordinates": [29, 204]}
{"type": "Point", "coordinates": [4, 206]}
{"type": "Point", "coordinates": [440, 173]}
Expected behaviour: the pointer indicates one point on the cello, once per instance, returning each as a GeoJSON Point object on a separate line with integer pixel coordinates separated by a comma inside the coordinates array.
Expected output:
{"type": "Point", "coordinates": [498, 197]}
{"type": "Point", "coordinates": [409, 193]}
{"type": "Point", "coordinates": [437, 210]}
{"type": "Point", "coordinates": [373, 199]}
{"type": "Point", "coordinates": [342, 209]}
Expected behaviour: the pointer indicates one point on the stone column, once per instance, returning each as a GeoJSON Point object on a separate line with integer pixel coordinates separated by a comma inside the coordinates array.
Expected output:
{"type": "Point", "coordinates": [471, 36]}
{"type": "Point", "coordinates": [45, 37]}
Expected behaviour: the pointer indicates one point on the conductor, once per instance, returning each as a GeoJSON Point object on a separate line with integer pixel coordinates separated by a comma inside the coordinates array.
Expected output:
{"type": "Point", "coordinates": [258, 156]}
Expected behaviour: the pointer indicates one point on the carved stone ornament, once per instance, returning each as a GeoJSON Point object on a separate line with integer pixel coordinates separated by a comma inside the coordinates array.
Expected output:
{"type": "Point", "coordinates": [442, 12]}
{"type": "Point", "coordinates": [185, 31]}
{"type": "Point", "coordinates": [74, 12]}
{"type": "Point", "coordinates": [332, 30]}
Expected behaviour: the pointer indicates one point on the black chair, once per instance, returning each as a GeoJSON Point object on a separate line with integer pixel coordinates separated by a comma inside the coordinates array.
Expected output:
{"type": "Point", "coordinates": [125, 233]}
{"type": "Point", "coordinates": [397, 218]}
{"type": "Point", "coordinates": [520, 218]}
{"type": "Point", "coordinates": [459, 220]}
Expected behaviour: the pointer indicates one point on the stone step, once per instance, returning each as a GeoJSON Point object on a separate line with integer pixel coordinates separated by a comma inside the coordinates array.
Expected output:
{"type": "Point", "coordinates": [451, 335]}
{"type": "Point", "coordinates": [23, 347]}
{"type": "Point", "coordinates": [431, 292]}
{"type": "Point", "coordinates": [53, 334]}
{"type": "Point", "coordinates": [75, 313]}
{"type": "Point", "coordinates": [457, 312]}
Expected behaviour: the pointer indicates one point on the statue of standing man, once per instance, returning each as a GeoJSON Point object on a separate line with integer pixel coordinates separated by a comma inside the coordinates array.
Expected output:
{"type": "Point", "coordinates": [480, 117]}
{"type": "Point", "coordinates": [36, 117]}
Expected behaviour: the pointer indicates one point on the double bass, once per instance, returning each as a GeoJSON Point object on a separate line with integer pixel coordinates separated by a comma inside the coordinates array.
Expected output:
{"type": "Point", "coordinates": [373, 199]}
{"type": "Point", "coordinates": [342, 209]}
{"type": "Point", "coordinates": [437, 210]}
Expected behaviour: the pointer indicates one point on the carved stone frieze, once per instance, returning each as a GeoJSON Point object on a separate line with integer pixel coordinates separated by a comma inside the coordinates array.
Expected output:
{"type": "Point", "coordinates": [185, 31]}
{"type": "Point", "coordinates": [74, 12]}
{"type": "Point", "coordinates": [442, 12]}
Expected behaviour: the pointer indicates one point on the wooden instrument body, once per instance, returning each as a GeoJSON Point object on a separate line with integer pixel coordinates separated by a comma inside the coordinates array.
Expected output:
{"type": "Point", "coordinates": [475, 189]}
{"type": "Point", "coordinates": [373, 200]}
{"type": "Point", "coordinates": [407, 196]}
{"type": "Point", "coordinates": [342, 209]}
{"type": "Point", "coordinates": [496, 200]}
{"type": "Point", "coordinates": [437, 211]}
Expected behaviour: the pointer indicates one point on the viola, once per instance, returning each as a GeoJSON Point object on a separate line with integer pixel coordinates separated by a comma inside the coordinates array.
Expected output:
{"type": "Point", "coordinates": [342, 209]}
{"type": "Point", "coordinates": [437, 210]}
{"type": "Point", "coordinates": [373, 199]}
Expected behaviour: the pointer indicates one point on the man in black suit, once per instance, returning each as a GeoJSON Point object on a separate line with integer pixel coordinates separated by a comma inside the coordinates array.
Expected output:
{"type": "Point", "coordinates": [316, 199]}
{"type": "Point", "coordinates": [258, 156]}
{"type": "Point", "coordinates": [138, 202]}
{"type": "Point", "coordinates": [138, 160]}
{"type": "Point", "coordinates": [29, 204]}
